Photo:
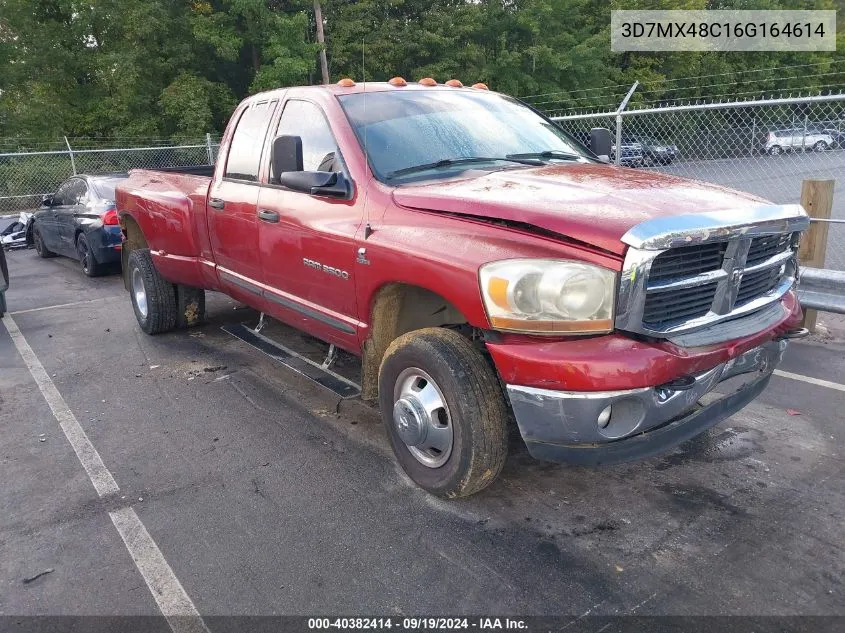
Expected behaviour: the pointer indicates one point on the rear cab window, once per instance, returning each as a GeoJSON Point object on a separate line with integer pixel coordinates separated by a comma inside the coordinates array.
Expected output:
{"type": "Point", "coordinates": [244, 157]}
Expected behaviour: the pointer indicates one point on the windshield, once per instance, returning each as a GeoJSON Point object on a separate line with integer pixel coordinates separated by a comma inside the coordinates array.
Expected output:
{"type": "Point", "coordinates": [407, 129]}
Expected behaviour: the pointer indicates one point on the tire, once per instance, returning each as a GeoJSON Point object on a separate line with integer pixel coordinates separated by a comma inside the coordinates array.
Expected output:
{"type": "Point", "coordinates": [40, 248]}
{"type": "Point", "coordinates": [89, 264]}
{"type": "Point", "coordinates": [775, 150]}
{"type": "Point", "coordinates": [153, 297]}
{"type": "Point", "coordinates": [190, 306]}
{"type": "Point", "coordinates": [820, 146]}
{"type": "Point", "coordinates": [437, 362]}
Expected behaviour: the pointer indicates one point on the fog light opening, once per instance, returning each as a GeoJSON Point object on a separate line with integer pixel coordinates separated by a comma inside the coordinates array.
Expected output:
{"type": "Point", "coordinates": [604, 417]}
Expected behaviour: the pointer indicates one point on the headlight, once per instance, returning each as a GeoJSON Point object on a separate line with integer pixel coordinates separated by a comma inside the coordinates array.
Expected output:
{"type": "Point", "coordinates": [548, 296]}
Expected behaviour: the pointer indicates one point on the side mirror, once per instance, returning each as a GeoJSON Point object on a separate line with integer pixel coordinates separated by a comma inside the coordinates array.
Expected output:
{"type": "Point", "coordinates": [47, 200]}
{"type": "Point", "coordinates": [318, 183]}
{"type": "Point", "coordinates": [600, 141]}
{"type": "Point", "coordinates": [285, 156]}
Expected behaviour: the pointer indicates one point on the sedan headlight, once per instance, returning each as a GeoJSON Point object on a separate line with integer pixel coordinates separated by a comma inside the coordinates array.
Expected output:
{"type": "Point", "coordinates": [547, 296]}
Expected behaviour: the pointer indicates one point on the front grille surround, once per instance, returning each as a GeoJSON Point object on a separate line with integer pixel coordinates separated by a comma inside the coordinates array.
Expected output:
{"type": "Point", "coordinates": [678, 281]}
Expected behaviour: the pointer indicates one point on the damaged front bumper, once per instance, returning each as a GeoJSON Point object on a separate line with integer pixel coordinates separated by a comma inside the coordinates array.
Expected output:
{"type": "Point", "coordinates": [610, 427]}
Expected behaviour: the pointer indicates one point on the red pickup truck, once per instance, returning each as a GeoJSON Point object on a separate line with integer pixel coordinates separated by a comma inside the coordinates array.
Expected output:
{"type": "Point", "coordinates": [485, 266]}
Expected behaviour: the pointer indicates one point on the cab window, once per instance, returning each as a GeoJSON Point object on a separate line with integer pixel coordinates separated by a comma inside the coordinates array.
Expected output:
{"type": "Point", "coordinates": [319, 149]}
{"type": "Point", "coordinates": [248, 141]}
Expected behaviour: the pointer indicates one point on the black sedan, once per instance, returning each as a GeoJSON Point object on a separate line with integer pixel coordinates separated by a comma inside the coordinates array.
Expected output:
{"type": "Point", "coordinates": [80, 221]}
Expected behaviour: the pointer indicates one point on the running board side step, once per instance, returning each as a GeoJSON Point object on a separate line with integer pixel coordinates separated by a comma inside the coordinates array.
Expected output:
{"type": "Point", "coordinates": [298, 363]}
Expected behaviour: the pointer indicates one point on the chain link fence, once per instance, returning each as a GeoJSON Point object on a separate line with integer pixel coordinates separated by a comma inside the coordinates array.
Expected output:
{"type": "Point", "coordinates": [25, 176]}
{"type": "Point", "coordinates": [764, 147]}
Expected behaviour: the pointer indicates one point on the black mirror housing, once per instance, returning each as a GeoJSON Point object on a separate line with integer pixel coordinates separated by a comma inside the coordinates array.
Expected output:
{"type": "Point", "coordinates": [286, 156]}
{"type": "Point", "coordinates": [47, 200]}
{"type": "Point", "coordinates": [313, 182]}
{"type": "Point", "coordinates": [600, 141]}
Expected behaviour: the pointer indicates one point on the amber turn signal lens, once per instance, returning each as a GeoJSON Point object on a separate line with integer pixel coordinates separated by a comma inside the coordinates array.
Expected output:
{"type": "Point", "coordinates": [551, 327]}
{"type": "Point", "coordinates": [480, 86]}
{"type": "Point", "coordinates": [398, 81]}
{"type": "Point", "coordinates": [497, 289]}
{"type": "Point", "coordinates": [346, 82]}
{"type": "Point", "coordinates": [455, 83]}
{"type": "Point", "coordinates": [427, 81]}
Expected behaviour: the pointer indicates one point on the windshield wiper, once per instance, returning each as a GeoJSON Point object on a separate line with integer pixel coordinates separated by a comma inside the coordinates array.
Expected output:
{"type": "Point", "coordinates": [449, 162]}
{"type": "Point", "coordinates": [549, 153]}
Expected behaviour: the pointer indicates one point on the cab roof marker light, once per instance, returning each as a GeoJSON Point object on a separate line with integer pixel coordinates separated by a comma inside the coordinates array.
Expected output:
{"type": "Point", "coordinates": [398, 81]}
{"type": "Point", "coordinates": [427, 81]}
{"type": "Point", "coordinates": [346, 82]}
{"type": "Point", "coordinates": [480, 86]}
{"type": "Point", "coordinates": [455, 83]}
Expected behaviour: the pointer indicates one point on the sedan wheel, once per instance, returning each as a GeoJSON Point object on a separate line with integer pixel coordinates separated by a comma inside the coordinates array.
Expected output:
{"type": "Point", "coordinates": [86, 258]}
{"type": "Point", "coordinates": [40, 248]}
{"type": "Point", "coordinates": [821, 146]}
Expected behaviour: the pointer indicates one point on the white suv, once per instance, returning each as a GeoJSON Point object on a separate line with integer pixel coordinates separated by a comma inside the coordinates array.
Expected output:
{"type": "Point", "coordinates": [779, 141]}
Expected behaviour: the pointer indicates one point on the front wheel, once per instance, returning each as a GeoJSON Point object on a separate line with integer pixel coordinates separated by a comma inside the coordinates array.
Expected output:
{"type": "Point", "coordinates": [820, 146]}
{"type": "Point", "coordinates": [775, 150]}
{"type": "Point", "coordinates": [444, 411]}
{"type": "Point", "coordinates": [153, 297]}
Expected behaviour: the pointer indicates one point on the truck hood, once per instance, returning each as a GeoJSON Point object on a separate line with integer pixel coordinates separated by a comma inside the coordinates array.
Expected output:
{"type": "Point", "coordinates": [596, 204]}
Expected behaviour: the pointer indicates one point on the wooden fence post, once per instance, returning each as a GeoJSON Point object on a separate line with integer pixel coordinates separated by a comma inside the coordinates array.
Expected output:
{"type": "Point", "coordinates": [817, 200]}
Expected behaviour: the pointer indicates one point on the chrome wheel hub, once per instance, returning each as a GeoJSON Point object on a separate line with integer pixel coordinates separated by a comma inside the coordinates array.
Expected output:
{"type": "Point", "coordinates": [421, 418]}
{"type": "Point", "coordinates": [139, 292]}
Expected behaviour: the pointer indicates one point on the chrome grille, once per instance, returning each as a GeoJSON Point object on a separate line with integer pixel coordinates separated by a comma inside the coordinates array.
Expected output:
{"type": "Point", "coordinates": [695, 281]}
{"type": "Point", "coordinates": [678, 281]}
{"type": "Point", "coordinates": [755, 284]}
{"type": "Point", "coordinates": [663, 308]}
{"type": "Point", "coordinates": [687, 260]}
{"type": "Point", "coordinates": [671, 298]}
{"type": "Point", "coordinates": [764, 247]}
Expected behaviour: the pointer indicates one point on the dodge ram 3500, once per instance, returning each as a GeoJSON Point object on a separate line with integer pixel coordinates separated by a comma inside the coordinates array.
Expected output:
{"type": "Point", "coordinates": [484, 265]}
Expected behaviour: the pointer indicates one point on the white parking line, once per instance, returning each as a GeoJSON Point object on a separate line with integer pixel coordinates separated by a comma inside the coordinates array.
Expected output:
{"type": "Point", "coordinates": [172, 600]}
{"type": "Point", "coordinates": [88, 456]}
{"type": "Point", "coordinates": [163, 583]}
{"type": "Point", "coordinates": [810, 380]}
{"type": "Point", "coordinates": [61, 305]}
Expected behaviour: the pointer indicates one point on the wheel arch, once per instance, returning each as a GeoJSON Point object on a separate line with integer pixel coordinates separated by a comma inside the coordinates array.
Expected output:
{"type": "Point", "coordinates": [133, 239]}
{"type": "Point", "coordinates": [395, 309]}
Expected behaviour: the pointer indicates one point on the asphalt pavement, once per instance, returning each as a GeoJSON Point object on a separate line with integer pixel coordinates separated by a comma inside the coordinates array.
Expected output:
{"type": "Point", "coordinates": [262, 494]}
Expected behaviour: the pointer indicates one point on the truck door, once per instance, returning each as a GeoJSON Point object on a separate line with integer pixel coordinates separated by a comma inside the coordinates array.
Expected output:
{"type": "Point", "coordinates": [232, 198]}
{"type": "Point", "coordinates": [307, 241]}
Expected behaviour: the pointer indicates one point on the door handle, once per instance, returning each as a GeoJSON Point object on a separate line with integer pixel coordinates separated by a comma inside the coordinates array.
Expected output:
{"type": "Point", "coordinates": [267, 215]}
{"type": "Point", "coordinates": [217, 203]}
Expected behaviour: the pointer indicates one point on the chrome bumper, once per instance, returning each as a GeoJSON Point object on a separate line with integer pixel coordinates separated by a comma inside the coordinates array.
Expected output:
{"type": "Point", "coordinates": [563, 425]}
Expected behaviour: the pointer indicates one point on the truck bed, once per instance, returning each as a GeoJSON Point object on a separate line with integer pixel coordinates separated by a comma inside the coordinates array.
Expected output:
{"type": "Point", "coordinates": [194, 170]}
{"type": "Point", "coordinates": [169, 206]}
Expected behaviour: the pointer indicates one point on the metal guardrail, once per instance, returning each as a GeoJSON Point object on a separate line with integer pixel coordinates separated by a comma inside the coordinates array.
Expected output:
{"type": "Point", "coordinates": [822, 289]}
